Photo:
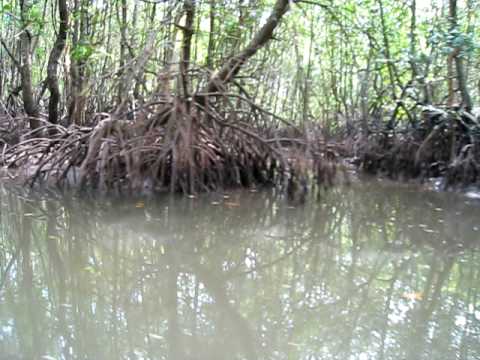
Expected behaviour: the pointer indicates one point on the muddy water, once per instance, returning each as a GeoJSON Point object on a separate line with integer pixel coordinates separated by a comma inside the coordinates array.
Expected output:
{"type": "Point", "coordinates": [374, 271]}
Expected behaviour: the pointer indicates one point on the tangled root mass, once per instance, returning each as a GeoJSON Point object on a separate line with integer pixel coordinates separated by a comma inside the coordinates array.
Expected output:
{"type": "Point", "coordinates": [175, 145]}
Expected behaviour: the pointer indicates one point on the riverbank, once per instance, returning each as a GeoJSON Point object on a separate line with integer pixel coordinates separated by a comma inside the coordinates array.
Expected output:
{"type": "Point", "coordinates": [196, 151]}
{"type": "Point", "coordinates": [183, 148]}
{"type": "Point", "coordinates": [445, 146]}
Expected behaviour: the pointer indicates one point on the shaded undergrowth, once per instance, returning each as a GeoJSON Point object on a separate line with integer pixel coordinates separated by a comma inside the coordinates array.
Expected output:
{"type": "Point", "coordinates": [174, 144]}
{"type": "Point", "coordinates": [446, 144]}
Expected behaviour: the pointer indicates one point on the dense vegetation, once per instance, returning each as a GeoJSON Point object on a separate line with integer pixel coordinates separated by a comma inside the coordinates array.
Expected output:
{"type": "Point", "coordinates": [175, 81]}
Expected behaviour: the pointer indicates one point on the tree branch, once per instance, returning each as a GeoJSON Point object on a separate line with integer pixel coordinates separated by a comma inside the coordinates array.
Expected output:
{"type": "Point", "coordinates": [10, 55]}
{"type": "Point", "coordinates": [228, 71]}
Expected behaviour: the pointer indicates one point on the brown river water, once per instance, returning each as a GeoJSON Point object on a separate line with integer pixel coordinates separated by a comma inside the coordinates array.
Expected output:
{"type": "Point", "coordinates": [376, 270]}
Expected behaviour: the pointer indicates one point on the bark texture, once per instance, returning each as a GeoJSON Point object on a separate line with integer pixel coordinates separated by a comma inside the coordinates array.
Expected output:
{"type": "Point", "coordinates": [231, 68]}
{"type": "Point", "coordinates": [55, 54]}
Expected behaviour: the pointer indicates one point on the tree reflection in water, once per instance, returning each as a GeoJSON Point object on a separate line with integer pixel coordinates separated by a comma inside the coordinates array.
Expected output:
{"type": "Point", "coordinates": [373, 271]}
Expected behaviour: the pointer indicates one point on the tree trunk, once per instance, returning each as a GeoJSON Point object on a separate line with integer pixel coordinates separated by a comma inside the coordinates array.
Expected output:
{"type": "Point", "coordinates": [462, 83]}
{"type": "Point", "coordinates": [189, 9]}
{"type": "Point", "coordinates": [29, 103]}
{"type": "Point", "coordinates": [78, 100]}
{"type": "Point", "coordinates": [122, 90]}
{"type": "Point", "coordinates": [231, 68]}
{"type": "Point", "coordinates": [55, 54]}
{"type": "Point", "coordinates": [364, 85]}
{"type": "Point", "coordinates": [386, 44]}
{"type": "Point", "coordinates": [211, 43]}
{"type": "Point", "coordinates": [455, 55]}
{"type": "Point", "coordinates": [413, 38]}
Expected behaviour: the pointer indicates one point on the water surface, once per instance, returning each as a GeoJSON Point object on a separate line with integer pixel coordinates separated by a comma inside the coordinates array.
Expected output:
{"type": "Point", "coordinates": [374, 271]}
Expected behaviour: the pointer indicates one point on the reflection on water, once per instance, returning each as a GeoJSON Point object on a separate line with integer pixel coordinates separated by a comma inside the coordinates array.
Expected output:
{"type": "Point", "coordinates": [370, 272]}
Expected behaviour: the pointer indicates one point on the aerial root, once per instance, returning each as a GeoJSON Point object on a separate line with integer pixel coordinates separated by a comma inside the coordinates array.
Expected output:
{"type": "Point", "coordinates": [177, 146]}
{"type": "Point", "coordinates": [445, 145]}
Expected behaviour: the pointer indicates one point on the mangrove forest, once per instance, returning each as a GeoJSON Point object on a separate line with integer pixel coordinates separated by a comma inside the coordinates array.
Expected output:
{"type": "Point", "coordinates": [193, 96]}
{"type": "Point", "coordinates": [239, 179]}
